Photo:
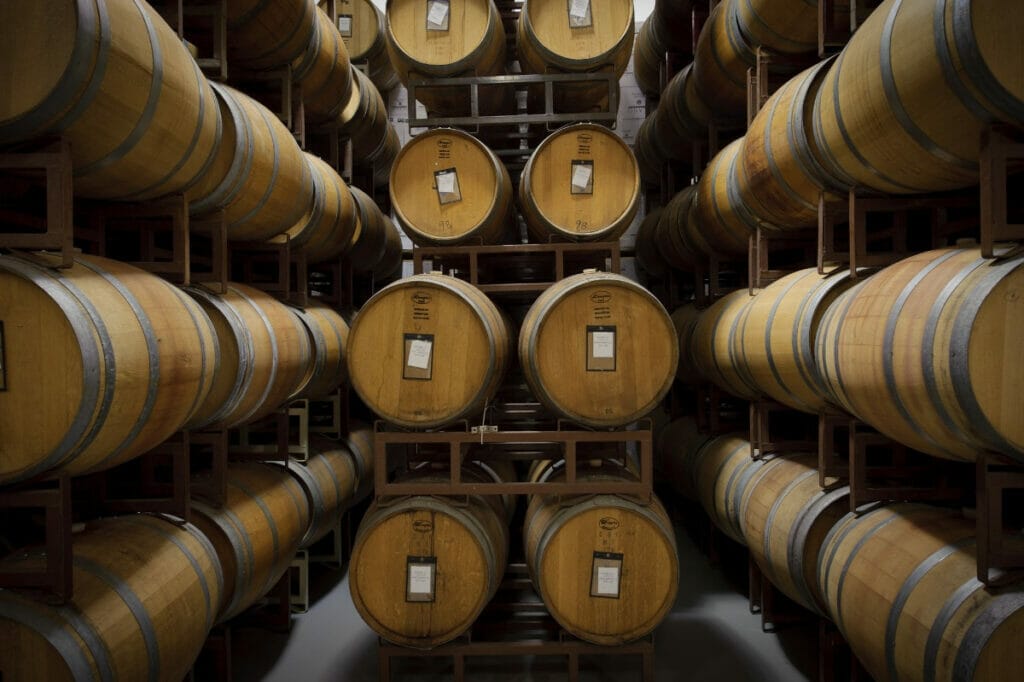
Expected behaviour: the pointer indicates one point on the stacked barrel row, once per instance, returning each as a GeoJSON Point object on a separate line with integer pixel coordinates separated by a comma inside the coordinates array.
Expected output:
{"type": "Point", "coordinates": [899, 580]}
{"type": "Point", "coordinates": [147, 589]}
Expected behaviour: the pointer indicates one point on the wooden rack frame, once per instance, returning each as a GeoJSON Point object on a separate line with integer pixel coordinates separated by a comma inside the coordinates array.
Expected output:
{"type": "Point", "coordinates": [769, 73]}
{"type": "Point", "coordinates": [999, 148]}
{"type": "Point", "coordinates": [55, 499]}
{"type": "Point", "coordinates": [763, 244]}
{"type": "Point", "coordinates": [288, 271]}
{"type": "Point", "coordinates": [53, 158]}
{"type": "Point", "coordinates": [777, 611]}
{"type": "Point", "coordinates": [762, 443]}
{"type": "Point", "coordinates": [997, 563]}
{"type": "Point", "coordinates": [180, 14]}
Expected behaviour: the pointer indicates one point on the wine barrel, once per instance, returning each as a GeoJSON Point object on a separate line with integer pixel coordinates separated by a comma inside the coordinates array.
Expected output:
{"type": "Point", "coordinates": [598, 349]}
{"type": "Point", "coordinates": [328, 336]}
{"type": "Point", "coordinates": [427, 350]}
{"type": "Point", "coordinates": [361, 26]}
{"type": "Point", "coordinates": [329, 480]}
{"type": "Point", "coordinates": [784, 173]}
{"type": "Point", "coordinates": [325, 231]}
{"type": "Point", "coordinates": [713, 348]}
{"type": "Point", "coordinates": [786, 26]}
{"type": "Point", "coordinates": [364, 120]}
{"type": "Point", "coordinates": [720, 64]}
{"type": "Point", "coordinates": [606, 566]}
{"type": "Point", "coordinates": [102, 362]}
{"type": "Point", "coordinates": [146, 594]}
{"type": "Point", "coordinates": [903, 107]}
{"type": "Point", "coordinates": [118, 84]}
{"type": "Point", "coordinates": [679, 236]}
{"type": "Point", "coordinates": [719, 209]}
{"type": "Point", "coordinates": [684, 319]}
{"type": "Point", "coordinates": [929, 352]}
{"type": "Point", "coordinates": [588, 37]}
{"type": "Point", "coordinates": [678, 444]}
{"type": "Point", "coordinates": [266, 34]}
{"type": "Point", "coordinates": [648, 252]}
{"type": "Point", "coordinates": [259, 177]}
{"type": "Point", "coordinates": [648, 54]}
{"type": "Point", "coordinates": [323, 72]}
{"type": "Point", "coordinates": [581, 183]}
{"type": "Point", "coordinates": [389, 267]}
{"type": "Point", "coordinates": [901, 584]}
{"type": "Point", "coordinates": [369, 241]}
{"type": "Point", "coordinates": [776, 333]}
{"type": "Point", "coordinates": [265, 356]}
{"type": "Point", "coordinates": [650, 157]}
{"type": "Point", "coordinates": [423, 567]}
{"type": "Point", "coordinates": [786, 516]}
{"type": "Point", "coordinates": [359, 441]}
{"type": "Point", "coordinates": [447, 188]}
{"type": "Point", "coordinates": [682, 117]}
{"type": "Point", "coordinates": [256, 533]}
{"type": "Point", "coordinates": [460, 38]}
{"type": "Point", "coordinates": [721, 473]}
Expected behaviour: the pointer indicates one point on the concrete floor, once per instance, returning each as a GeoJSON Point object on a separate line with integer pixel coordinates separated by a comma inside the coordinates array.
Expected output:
{"type": "Point", "coordinates": [710, 636]}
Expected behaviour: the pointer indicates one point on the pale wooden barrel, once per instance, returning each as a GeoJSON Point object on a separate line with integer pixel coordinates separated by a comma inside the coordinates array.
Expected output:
{"type": "Point", "coordinates": [678, 444]}
{"type": "Point", "coordinates": [776, 335]}
{"type": "Point", "coordinates": [361, 26]}
{"type": "Point", "coordinates": [581, 183]}
{"type": "Point", "coordinates": [901, 584]}
{"type": "Point", "coordinates": [146, 594]}
{"type": "Point", "coordinates": [720, 208]}
{"type": "Point", "coordinates": [464, 546]}
{"type": "Point", "coordinates": [266, 34]}
{"type": "Point", "coordinates": [648, 53]}
{"type": "Point", "coordinates": [930, 351]}
{"type": "Point", "coordinates": [682, 117]}
{"type": "Point", "coordinates": [471, 41]}
{"type": "Point", "coordinates": [721, 473]}
{"type": "Point", "coordinates": [551, 39]}
{"type": "Point", "coordinates": [713, 350]}
{"type": "Point", "coordinates": [720, 64]}
{"type": "Point", "coordinates": [259, 177]}
{"type": "Point", "coordinates": [328, 335]}
{"type": "Point", "coordinates": [680, 239]}
{"type": "Point", "coordinates": [781, 163]}
{"type": "Point", "coordinates": [563, 537]}
{"type": "Point", "coordinates": [256, 533]}
{"type": "Point", "coordinates": [325, 231]}
{"type": "Point", "coordinates": [329, 479]}
{"type": "Point", "coordinates": [427, 350]}
{"type": "Point", "coordinates": [103, 362]}
{"type": "Point", "coordinates": [448, 188]}
{"type": "Point", "coordinates": [903, 107]}
{"type": "Point", "coordinates": [118, 84]}
{"type": "Point", "coordinates": [599, 349]}
{"type": "Point", "coordinates": [364, 119]}
{"type": "Point", "coordinates": [323, 71]}
{"type": "Point", "coordinates": [359, 441]}
{"type": "Point", "coordinates": [265, 356]}
{"type": "Point", "coordinates": [786, 26]}
{"type": "Point", "coordinates": [786, 516]}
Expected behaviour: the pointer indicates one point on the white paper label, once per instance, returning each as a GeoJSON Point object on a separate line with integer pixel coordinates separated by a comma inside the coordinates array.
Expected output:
{"type": "Point", "coordinates": [437, 15]}
{"type": "Point", "coordinates": [607, 581]}
{"type": "Point", "coordinates": [345, 26]}
{"type": "Point", "coordinates": [419, 354]}
{"type": "Point", "coordinates": [581, 176]}
{"type": "Point", "coordinates": [446, 183]}
{"type": "Point", "coordinates": [604, 345]}
{"type": "Point", "coordinates": [420, 577]}
{"type": "Point", "coordinates": [578, 8]}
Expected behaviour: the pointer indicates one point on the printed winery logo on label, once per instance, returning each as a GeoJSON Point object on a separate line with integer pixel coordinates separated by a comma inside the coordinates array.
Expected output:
{"type": "Point", "coordinates": [421, 298]}
{"type": "Point", "coordinates": [444, 143]}
{"type": "Point", "coordinates": [608, 523]}
{"type": "Point", "coordinates": [585, 138]}
{"type": "Point", "coordinates": [424, 526]}
{"type": "Point", "coordinates": [601, 296]}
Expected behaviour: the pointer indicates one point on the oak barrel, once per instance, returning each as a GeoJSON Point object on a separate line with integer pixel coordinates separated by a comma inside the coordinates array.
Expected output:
{"type": "Point", "coordinates": [373, 244]}
{"type": "Point", "coordinates": [786, 26]}
{"type": "Point", "coordinates": [650, 157]}
{"type": "Point", "coordinates": [266, 34]}
{"type": "Point", "coordinates": [447, 187]}
{"type": "Point", "coordinates": [325, 231]}
{"type": "Point", "coordinates": [256, 533]}
{"type": "Point", "coordinates": [679, 235]}
{"type": "Point", "coordinates": [116, 82]}
{"type": "Point", "coordinates": [427, 350]}
{"type": "Point", "coordinates": [682, 117]}
{"type": "Point", "coordinates": [776, 334]}
{"type": "Point", "coordinates": [648, 252]}
{"type": "Point", "coordinates": [323, 72]}
{"type": "Point", "coordinates": [581, 183]}
{"type": "Point", "coordinates": [265, 356]}
{"type": "Point", "coordinates": [713, 349]}
{"type": "Point", "coordinates": [720, 64]}
{"type": "Point", "coordinates": [102, 362]}
{"type": "Point", "coordinates": [361, 26]}
{"type": "Point", "coordinates": [648, 53]}
{"type": "Point", "coordinates": [901, 584]}
{"type": "Point", "coordinates": [599, 349]}
{"type": "Point", "coordinates": [903, 107]}
{"type": "Point", "coordinates": [606, 566]}
{"type": "Point", "coordinates": [786, 516]}
{"type": "Point", "coordinates": [330, 480]}
{"type": "Point", "coordinates": [359, 441]}
{"type": "Point", "coordinates": [364, 119]}
{"type": "Point", "coordinates": [259, 177]}
{"type": "Point", "coordinates": [146, 594]}
{"type": "Point", "coordinates": [721, 474]}
{"type": "Point", "coordinates": [328, 336]}
{"type": "Point", "coordinates": [720, 207]}
{"type": "Point", "coordinates": [424, 567]}
{"type": "Point", "coordinates": [930, 351]}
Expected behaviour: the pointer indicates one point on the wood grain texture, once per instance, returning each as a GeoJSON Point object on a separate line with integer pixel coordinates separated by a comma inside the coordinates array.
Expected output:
{"type": "Point", "coordinates": [786, 26]}
{"type": "Point", "coordinates": [929, 352]}
{"type": "Point", "coordinates": [146, 594]}
{"type": "Point", "coordinates": [365, 120]}
{"type": "Point", "coordinates": [118, 84]}
{"type": "Point", "coordinates": [679, 235]}
{"type": "Point", "coordinates": [468, 355]}
{"type": "Point", "coordinates": [551, 205]}
{"type": "Point", "coordinates": [719, 212]}
{"type": "Point", "coordinates": [483, 214]}
{"type": "Point", "coordinates": [721, 473]}
{"type": "Point", "coordinates": [554, 348]}
{"type": "Point", "coordinates": [329, 479]}
{"type": "Point", "coordinates": [104, 362]}
{"type": "Point", "coordinates": [256, 533]}
{"type": "Point", "coordinates": [328, 335]}
{"type": "Point", "coordinates": [368, 42]}
{"type": "Point", "coordinates": [359, 441]}
{"type": "Point", "coordinates": [721, 62]}
{"type": "Point", "coordinates": [900, 583]}
{"type": "Point", "coordinates": [373, 244]}
{"type": "Point", "coordinates": [712, 348]}
{"type": "Point", "coordinates": [325, 231]}
{"type": "Point", "coordinates": [323, 72]}
{"type": "Point", "coordinates": [266, 35]}
{"type": "Point", "coordinates": [902, 108]}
